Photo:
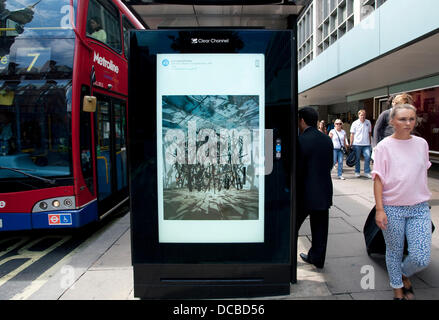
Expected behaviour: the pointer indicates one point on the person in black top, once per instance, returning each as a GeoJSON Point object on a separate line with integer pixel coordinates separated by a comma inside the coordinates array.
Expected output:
{"type": "Point", "coordinates": [382, 127]}
{"type": "Point", "coordinates": [314, 184]}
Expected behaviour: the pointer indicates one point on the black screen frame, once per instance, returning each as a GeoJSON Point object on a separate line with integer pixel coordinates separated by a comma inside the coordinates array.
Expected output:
{"type": "Point", "coordinates": [142, 146]}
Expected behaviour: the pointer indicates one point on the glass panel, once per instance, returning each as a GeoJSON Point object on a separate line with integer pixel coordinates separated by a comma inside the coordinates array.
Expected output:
{"type": "Point", "coordinates": [127, 26]}
{"type": "Point", "coordinates": [37, 59]}
{"type": "Point", "coordinates": [120, 143]}
{"type": "Point", "coordinates": [427, 106]}
{"type": "Point", "coordinates": [35, 122]}
{"type": "Point", "coordinates": [86, 144]}
{"type": "Point", "coordinates": [103, 148]}
{"type": "Point", "coordinates": [33, 18]}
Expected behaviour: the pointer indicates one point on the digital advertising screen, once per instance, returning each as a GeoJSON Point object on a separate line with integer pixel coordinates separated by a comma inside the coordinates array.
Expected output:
{"type": "Point", "coordinates": [210, 145]}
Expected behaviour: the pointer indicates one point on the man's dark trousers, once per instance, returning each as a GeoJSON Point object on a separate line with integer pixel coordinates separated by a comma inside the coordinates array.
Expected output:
{"type": "Point", "coordinates": [319, 221]}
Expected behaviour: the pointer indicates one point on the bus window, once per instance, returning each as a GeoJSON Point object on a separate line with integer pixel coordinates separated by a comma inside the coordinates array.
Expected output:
{"type": "Point", "coordinates": [120, 140]}
{"type": "Point", "coordinates": [103, 148]}
{"type": "Point", "coordinates": [5, 133]}
{"type": "Point", "coordinates": [103, 24]}
{"type": "Point", "coordinates": [35, 128]}
{"type": "Point", "coordinates": [127, 26]}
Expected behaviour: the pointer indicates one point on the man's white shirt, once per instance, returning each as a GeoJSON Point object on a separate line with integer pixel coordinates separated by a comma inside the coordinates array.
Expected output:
{"type": "Point", "coordinates": [361, 131]}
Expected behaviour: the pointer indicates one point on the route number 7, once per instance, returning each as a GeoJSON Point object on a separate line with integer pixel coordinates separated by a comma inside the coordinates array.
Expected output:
{"type": "Point", "coordinates": [36, 56]}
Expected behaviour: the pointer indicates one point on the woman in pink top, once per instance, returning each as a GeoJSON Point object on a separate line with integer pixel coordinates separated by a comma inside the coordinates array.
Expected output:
{"type": "Point", "coordinates": [401, 195]}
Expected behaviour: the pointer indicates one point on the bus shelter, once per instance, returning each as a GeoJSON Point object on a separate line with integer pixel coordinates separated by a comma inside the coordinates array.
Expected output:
{"type": "Point", "coordinates": [212, 127]}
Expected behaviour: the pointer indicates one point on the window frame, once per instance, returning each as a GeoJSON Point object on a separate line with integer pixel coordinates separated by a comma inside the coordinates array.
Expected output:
{"type": "Point", "coordinates": [110, 8]}
{"type": "Point", "coordinates": [125, 21]}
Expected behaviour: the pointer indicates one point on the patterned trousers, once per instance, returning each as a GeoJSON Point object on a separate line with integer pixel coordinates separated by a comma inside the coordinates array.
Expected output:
{"type": "Point", "coordinates": [414, 222]}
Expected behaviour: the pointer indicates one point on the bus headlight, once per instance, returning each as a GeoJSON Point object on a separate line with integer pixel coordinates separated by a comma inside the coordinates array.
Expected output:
{"type": "Point", "coordinates": [58, 203]}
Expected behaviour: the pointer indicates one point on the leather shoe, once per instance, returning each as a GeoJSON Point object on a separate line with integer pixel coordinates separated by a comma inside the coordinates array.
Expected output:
{"type": "Point", "coordinates": [306, 258]}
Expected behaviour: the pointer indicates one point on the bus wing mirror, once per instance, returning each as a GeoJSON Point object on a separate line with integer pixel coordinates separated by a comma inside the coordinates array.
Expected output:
{"type": "Point", "coordinates": [89, 104]}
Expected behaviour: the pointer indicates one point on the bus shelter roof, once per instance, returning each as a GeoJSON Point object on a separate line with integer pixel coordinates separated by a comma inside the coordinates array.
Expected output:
{"type": "Point", "coordinates": [267, 14]}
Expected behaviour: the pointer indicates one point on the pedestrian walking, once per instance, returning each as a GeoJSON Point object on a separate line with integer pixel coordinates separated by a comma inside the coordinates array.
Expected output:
{"type": "Point", "coordinates": [360, 139]}
{"type": "Point", "coordinates": [339, 140]}
{"type": "Point", "coordinates": [315, 160]}
{"type": "Point", "coordinates": [330, 126]}
{"type": "Point", "coordinates": [322, 127]}
{"type": "Point", "coordinates": [382, 127]}
{"type": "Point", "coordinates": [401, 195]}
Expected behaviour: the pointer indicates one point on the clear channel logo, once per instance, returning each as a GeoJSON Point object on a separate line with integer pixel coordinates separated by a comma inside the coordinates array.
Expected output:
{"type": "Point", "coordinates": [165, 62]}
{"type": "Point", "coordinates": [211, 41]}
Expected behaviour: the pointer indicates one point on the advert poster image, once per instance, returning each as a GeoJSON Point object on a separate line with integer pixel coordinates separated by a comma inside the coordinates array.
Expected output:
{"type": "Point", "coordinates": [210, 146]}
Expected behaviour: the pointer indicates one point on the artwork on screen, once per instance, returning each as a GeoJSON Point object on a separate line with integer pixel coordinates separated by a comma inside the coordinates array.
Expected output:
{"type": "Point", "coordinates": [210, 115]}
{"type": "Point", "coordinates": [208, 172]}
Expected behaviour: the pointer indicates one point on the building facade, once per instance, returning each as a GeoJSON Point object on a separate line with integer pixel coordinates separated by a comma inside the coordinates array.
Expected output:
{"type": "Point", "coordinates": [353, 54]}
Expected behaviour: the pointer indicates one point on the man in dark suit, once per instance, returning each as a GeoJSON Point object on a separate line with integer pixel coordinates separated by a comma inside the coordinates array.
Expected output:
{"type": "Point", "coordinates": [314, 184]}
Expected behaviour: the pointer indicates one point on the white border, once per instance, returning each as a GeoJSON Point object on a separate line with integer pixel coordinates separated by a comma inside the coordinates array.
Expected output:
{"type": "Point", "coordinates": [223, 74]}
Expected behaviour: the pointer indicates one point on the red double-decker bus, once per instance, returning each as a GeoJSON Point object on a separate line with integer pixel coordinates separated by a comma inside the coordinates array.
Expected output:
{"type": "Point", "coordinates": [63, 162]}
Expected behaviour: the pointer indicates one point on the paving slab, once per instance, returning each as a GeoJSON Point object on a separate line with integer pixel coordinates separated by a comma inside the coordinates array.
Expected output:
{"type": "Point", "coordinates": [353, 205]}
{"type": "Point", "coordinates": [356, 222]}
{"type": "Point", "coordinates": [373, 295]}
{"type": "Point", "coordinates": [105, 284]}
{"type": "Point", "coordinates": [427, 294]}
{"type": "Point", "coordinates": [344, 275]}
{"type": "Point", "coordinates": [76, 264]}
{"type": "Point", "coordinates": [335, 212]}
{"type": "Point", "coordinates": [346, 245]}
{"type": "Point", "coordinates": [331, 297]}
{"type": "Point", "coordinates": [421, 294]}
{"type": "Point", "coordinates": [352, 275]}
{"type": "Point", "coordinates": [303, 245]}
{"type": "Point", "coordinates": [430, 275]}
{"type": "Point", "coordinates": [336, 225]}
{"type": "Point", "coordinates": [310, 286]}
{"type": "Point", "coordinates": [118, 256]}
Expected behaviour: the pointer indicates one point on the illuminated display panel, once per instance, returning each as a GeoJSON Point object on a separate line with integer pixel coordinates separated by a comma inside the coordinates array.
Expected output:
{"type": "Point", "coordinates": [210, 112]}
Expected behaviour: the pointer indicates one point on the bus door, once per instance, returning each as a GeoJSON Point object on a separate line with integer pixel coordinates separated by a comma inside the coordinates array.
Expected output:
{"type": "Point", "coordinates": [111, 158]}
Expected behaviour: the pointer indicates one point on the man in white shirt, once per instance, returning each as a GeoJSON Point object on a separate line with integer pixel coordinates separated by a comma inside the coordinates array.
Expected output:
{"type": "Point", "coordinates": [361, 133]}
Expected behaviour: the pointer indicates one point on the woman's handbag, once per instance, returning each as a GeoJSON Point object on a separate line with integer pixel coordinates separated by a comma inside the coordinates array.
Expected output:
{"type": "Point", "coordinates": [342, 148]}
{"type": "Point", "coordinates": [351, 159]}
{"type": "Point", "coordinates": [374, 238]}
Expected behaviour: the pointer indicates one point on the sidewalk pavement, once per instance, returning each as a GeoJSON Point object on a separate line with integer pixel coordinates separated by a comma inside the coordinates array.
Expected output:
{"type": "Point", "coordinates": [101, 267]}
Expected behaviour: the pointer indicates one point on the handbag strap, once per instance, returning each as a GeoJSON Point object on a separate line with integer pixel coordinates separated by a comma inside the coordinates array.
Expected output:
{"type": "Point", "coordinates": [341, 146]}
